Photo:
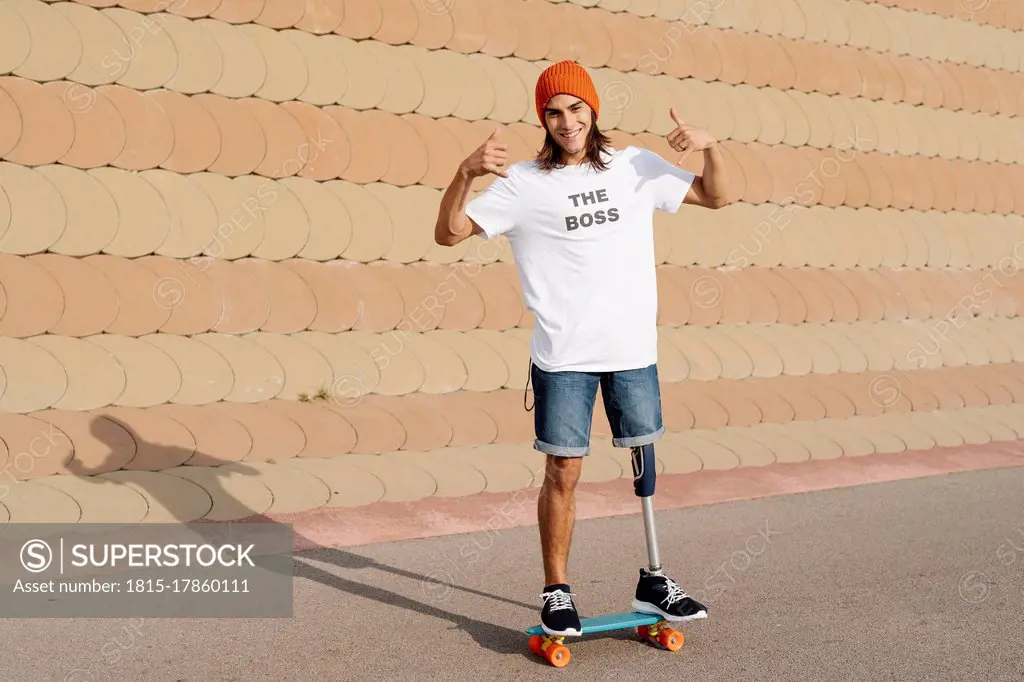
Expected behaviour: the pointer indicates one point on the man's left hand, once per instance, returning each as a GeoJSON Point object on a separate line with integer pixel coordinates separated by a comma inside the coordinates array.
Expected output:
{"type": "Point", "coordinates": [687, 138]}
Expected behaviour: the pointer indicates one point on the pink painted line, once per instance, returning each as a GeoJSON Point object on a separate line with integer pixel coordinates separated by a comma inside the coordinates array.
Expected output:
{"type": "Point", "coordinates": [488, 512]}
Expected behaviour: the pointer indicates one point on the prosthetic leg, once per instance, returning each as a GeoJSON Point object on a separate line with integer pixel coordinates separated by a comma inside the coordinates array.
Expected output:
{"type": "Point", "coordinates": [644, 475]}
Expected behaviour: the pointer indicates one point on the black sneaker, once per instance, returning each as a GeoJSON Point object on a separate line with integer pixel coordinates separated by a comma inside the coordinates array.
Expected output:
{"type": "Point", "coordinates": [660, 596]}
{"type": "Point", "coordinates": [558, 616]}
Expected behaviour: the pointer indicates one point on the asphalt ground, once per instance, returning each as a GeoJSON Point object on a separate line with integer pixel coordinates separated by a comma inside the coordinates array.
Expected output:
{"type": "Point", "coordinates": [919, 579]}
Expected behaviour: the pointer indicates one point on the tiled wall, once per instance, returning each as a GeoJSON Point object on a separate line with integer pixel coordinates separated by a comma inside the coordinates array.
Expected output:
{"type": "Point", "coordinates": [220, 295]}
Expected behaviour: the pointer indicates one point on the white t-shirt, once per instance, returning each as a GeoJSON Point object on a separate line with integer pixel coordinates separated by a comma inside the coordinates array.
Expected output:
{"type": "Point", "coordinates": [583, 244]}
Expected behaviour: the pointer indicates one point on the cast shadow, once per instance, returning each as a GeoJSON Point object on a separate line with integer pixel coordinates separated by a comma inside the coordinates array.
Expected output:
{"type": "Point", "coordinates": [488, 635]}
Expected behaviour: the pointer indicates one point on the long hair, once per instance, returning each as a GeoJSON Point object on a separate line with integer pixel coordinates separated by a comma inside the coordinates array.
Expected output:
{"type": "Point", "coordinates": [598, 144]}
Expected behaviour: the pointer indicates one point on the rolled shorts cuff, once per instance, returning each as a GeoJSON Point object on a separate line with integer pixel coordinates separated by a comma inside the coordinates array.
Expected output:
{"type": "Point", "coordinates": [560, 450]}
{"type": "Point", "coordinates": [638, 441]}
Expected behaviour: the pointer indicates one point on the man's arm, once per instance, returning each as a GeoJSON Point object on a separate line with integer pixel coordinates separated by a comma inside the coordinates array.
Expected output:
{"type": "Point", "coordinates": [453, 225]}
{"type": "Point", "coordinates": [711, 188]}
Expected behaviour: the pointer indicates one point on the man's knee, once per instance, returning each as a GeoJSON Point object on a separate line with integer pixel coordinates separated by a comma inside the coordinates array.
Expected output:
{"type": "Point", "coordinates": [562, 473]}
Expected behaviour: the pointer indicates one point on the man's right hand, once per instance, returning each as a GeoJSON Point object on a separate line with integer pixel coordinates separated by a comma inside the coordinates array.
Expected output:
{"type": "Point", "coordinates": [490, 157]}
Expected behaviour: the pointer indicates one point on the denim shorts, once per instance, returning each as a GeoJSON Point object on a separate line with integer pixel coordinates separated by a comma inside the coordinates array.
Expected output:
{"type": "Point", "coordinates": [564, 408]}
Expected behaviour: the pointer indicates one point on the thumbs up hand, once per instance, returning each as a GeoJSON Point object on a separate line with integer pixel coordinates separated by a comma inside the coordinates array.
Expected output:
{"type": "Point", "coordinates": [490, 157]}
{"type": "Point", "coordinates": [687, 138]}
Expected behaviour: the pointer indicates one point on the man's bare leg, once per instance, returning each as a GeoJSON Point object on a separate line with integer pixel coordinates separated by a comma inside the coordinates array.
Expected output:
{"type": "Point", "coordinates": [556, 515]}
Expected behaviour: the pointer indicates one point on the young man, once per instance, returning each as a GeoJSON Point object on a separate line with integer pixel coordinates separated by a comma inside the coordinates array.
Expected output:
{"type": "Point", "coordinates": [579, 219]}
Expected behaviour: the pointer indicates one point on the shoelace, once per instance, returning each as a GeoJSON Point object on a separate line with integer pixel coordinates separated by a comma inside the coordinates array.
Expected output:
{"type": "Point", "coordinates": [675, 593]}
{"type": "Point", "coordinates": [558, 600]}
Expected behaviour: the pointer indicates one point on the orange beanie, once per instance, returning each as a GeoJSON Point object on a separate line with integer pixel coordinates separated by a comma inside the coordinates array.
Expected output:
{"type": "Point", "coordinates": [568, 78]}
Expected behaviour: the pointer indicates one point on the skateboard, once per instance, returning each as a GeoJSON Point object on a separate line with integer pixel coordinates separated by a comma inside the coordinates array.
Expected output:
{"type": "Point", "coordinates": [651, 628]}
{"type": "Point", "coordinates": [654, 629]}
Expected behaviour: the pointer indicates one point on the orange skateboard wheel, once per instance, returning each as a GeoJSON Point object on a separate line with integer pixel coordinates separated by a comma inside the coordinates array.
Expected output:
{"type": "Point", "coordinates": [555, 653]}
{"type": "Point", "coordinates": [537, 645]}
{"type": "Point", "coordinates": [671, 639]}
{"type": "Point", "coordinates": [558, 655]}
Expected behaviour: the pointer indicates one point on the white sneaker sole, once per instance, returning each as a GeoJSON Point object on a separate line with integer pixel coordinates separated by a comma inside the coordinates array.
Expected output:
{"type": "Point", "coordinates": [562, 633]}
{"type": "Point", "coordinates": [644, 607]}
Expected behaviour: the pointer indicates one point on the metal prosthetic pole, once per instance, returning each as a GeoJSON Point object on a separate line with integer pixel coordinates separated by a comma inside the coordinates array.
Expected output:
{"type": "Point", "coordinates": [644, 475]}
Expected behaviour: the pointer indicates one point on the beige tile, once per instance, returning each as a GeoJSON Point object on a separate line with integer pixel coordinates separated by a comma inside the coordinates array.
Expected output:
{"type": "Point", "coordinates": [155, 60]}
{"type": "Point", "coordinates": [191, 223]}
{"type": "Point", "coordinates": [286, 71]}
{"type": "Point", "coordinates": [244, 68]}
{"type": "Point", "coordinates": [206, 374]}
{"type": "Point", "coordinates": [219, 438]}
{"type": "Point", "coordinates": [305, 369]}
{"type": "Point", "coordinates": [98, 500]}
{"type": "Point", "coordinates": [445, 369]}
{"type": "Point", "coordinates": [485, 368]}
{"type": "Point", "coordinates": [55, 49]}
{"type": "Point", "coordinates": [330, 225]}
{"type": "Point", "coordinates": [275, 435]}
{"type": "Point", "coordinates": [292, 490]}
{"type": "Point", "coordinates": [258, 374]}
{"type": "Point", "coordinates": [326, 68]}
{"type": "Point", "coordinates": [406, 88]}
{"type": "Point", "coordinates": [151, 376]}
{"type": "Point", "coordinates": [29, 502]}
{"type": "Point", "coordinates": [372, 232]}
{"type": "Point", "coordinates": [199, 64]}
{"type": "Point", "coordinates": [350, 486]}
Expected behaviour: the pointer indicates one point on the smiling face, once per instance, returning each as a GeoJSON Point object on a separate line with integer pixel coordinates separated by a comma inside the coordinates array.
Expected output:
{"type": "Point", "coordinates": [569, 119]}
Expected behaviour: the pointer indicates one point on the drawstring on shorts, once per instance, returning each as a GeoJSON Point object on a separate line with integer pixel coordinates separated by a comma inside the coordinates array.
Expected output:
{"type": "Point", "coordinates": [529, 374]}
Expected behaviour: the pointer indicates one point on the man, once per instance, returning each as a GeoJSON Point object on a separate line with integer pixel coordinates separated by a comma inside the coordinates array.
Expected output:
{"type": "Point", "coordinates": [579, 218]}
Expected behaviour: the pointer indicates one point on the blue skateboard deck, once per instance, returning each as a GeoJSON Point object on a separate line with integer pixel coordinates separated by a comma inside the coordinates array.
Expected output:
{"type": "Point", "coordinates": [552, 648]}
{"type": "Point", "coordinates": [613, 621]}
